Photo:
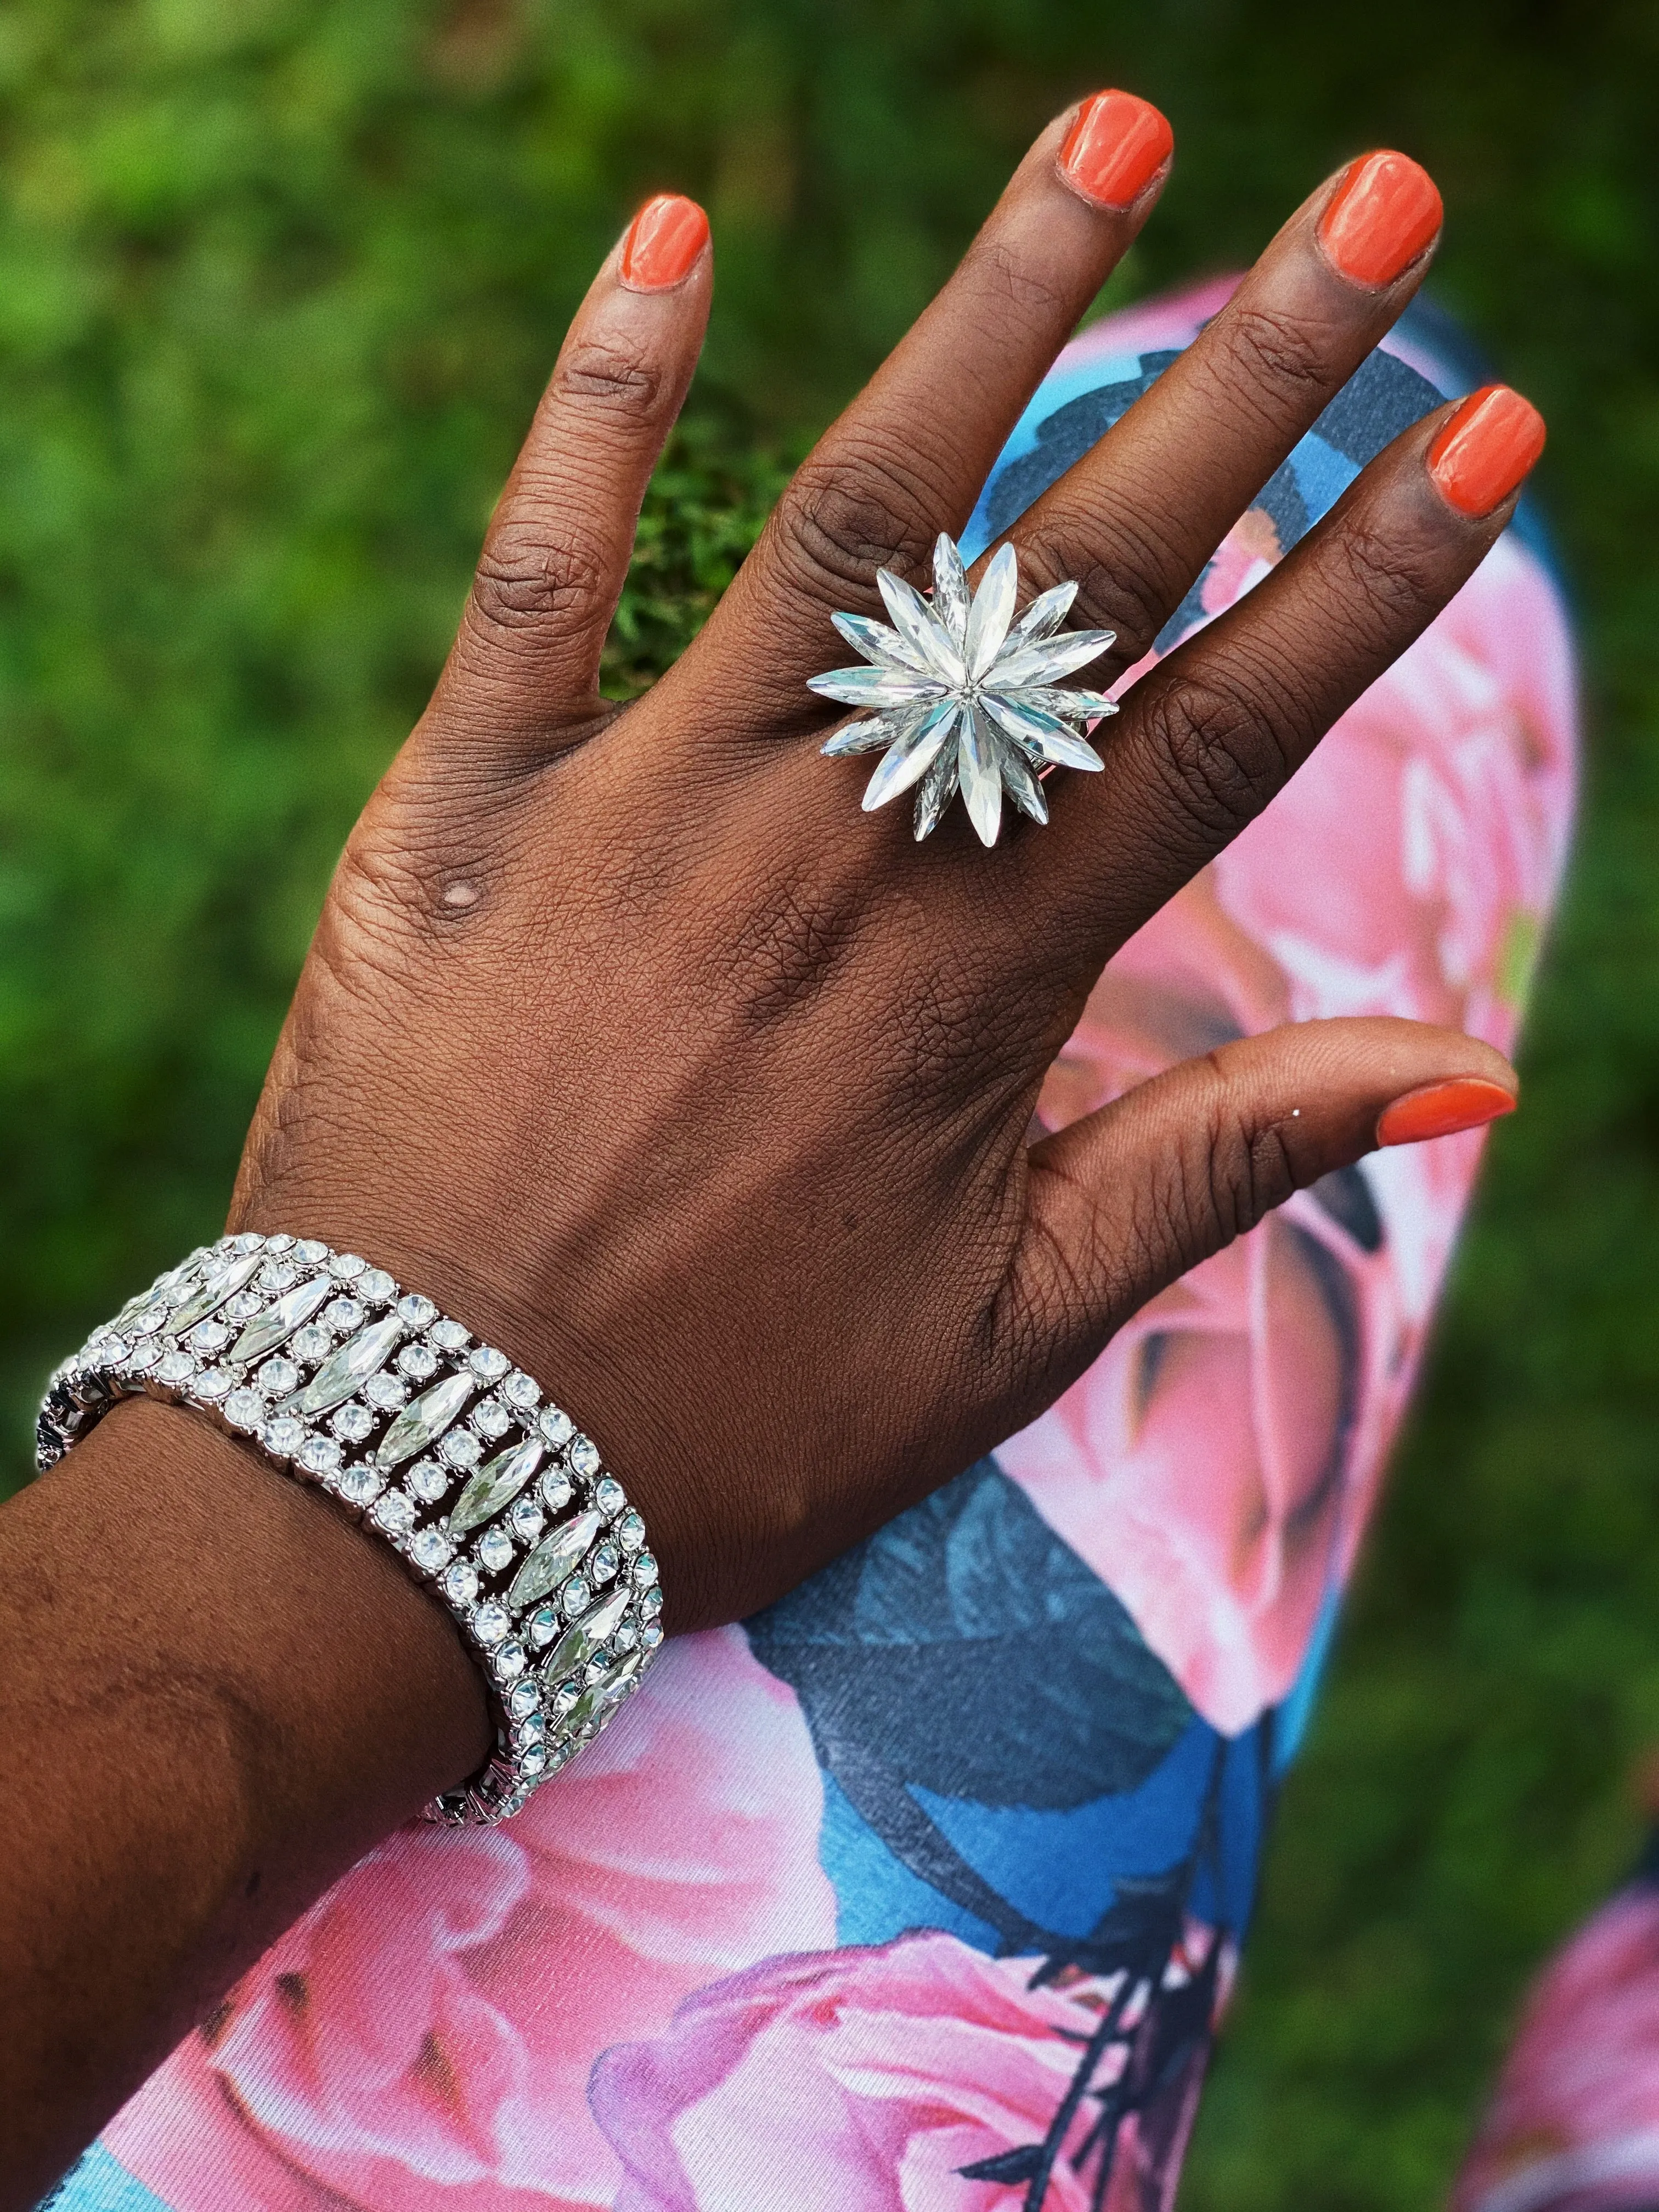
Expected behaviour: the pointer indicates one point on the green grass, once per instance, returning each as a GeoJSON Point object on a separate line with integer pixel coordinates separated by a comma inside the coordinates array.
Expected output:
{"type": "Point", "coordinates": [279, 281]}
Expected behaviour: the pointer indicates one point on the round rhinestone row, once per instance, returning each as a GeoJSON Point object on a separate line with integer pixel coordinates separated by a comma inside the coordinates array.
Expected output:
{"type": "Point", "coordinates": [489, 1492]}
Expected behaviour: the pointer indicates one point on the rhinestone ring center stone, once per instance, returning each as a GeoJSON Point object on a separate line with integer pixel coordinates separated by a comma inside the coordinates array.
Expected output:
{"type": "Point", "coordinates": [964, 697]}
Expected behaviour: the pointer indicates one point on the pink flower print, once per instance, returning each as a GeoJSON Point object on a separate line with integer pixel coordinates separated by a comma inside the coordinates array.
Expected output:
{"type": "Point", "coordinates": [864, 2081]}
{"type": "Point", "coordinates": [424, 2036]}
{"type": "Point", "coordinates": [1574, 2119]}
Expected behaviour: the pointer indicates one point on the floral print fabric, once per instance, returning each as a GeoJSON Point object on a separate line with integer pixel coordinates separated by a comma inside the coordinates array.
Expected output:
{"type": "Point", "coordinates": [922, 1891]}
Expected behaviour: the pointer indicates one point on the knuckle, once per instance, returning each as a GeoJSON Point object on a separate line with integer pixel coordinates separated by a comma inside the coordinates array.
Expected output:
{"type": "Point", "coordinates": [1386, 573]}
{"type": "Point", "coordinates": [1009, 281]}
{"type": "Point", "coordinates": [624, 383]}
{"type": "Point", "coordinates": [847, 515]}
{"type": "Point", "coordinates": [1217, 753]}
{"type": "Point", "coordinates": [529, 575]}
{"type": "Point", "coordinates": [1267, 351]}
{"type": "Point", "coordinates": [1246, 1168]}
{"type": "Point", "coordinates": [1126, 581]}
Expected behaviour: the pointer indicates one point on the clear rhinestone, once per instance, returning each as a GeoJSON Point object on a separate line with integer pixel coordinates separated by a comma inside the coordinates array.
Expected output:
{"type": "Point", "coordinates": [509, 1660]}
{"type": "Point", "coordinates": [526, 1521]}
{"type": "Point", "coordinates": [544, 1626]}
{"type": "Point", "coordinates": [212, 1382]}
{"type": "Point", "coordinates": [222, 1283]}
{"type": "Point", "coordinates": [148, 1321]}
{"type": "Point", "coordinates": [626, 1636]}
{"type": "Point", "coordinates": [319, 1455]}
{"type": "Point", "coordinates": [492, 1418]}
{"type": "Point", "coordinates": [494, 1486]}
{"type": "Point", "coordinates": [524, 1702]}
{"type": "Point", "coordinates": [388, 1392]}
{"type": "Point", "coordinates": [575, 1596]}
{"type": "Point", "coordinates": [283, 1435]}
{"type": "Point", "coordinates": [361, 1485]}
{"type": "Point", "coordinates": [608, 1495]}
{"type": "Point", "coordinates": [278, 1323]}
{"type": "Point", "coordinates": [490, 1622]}
{"type": "Point", "coordinates": [279, 1376]}
{"type": "Point", "coordinates": [645, 1570]}
{"type": "Point", "coordinates": [353, 1423]}
{"type": "Point", "coordinates": [531, 1727]}
{"type": "Point", "coordinates": [566, 1696]}
{"type": "Point", "coordinates": [376, 1286]}
{"type": "Point", "coordinates": [311, 1343]}
{"type": "Point", "coordinates": [533, 1759]}
{"type": "Point", "coordinates": [174, 1367]}
{"type": "Point", "coordinates": [651, 1603]}
{"type": "Point", "coordinates": [282, 1242]}
{"type": "Point", "coordinates": [603, 1567]}
{"type": "Point", "coordinates": [553, 1559]}
{"type": "Point", "coordinates": [555, 1488]}
{"type": "Point", "coordinates": [417, 1310]}
{"type": "Point", "coordinates": [250, 1240]}
{"type": "Point", "coordinates": [346, 1267]}
{"type": "Point", "coordinates": [418, 1361]}
{"type": "Point", "coordinates": [461, 1449]}
{"type": "Point", "coordinates": [489, 1365]}
{"type": "Point", "coordinates": [554, 1424]}
{"type": "Point", "coordinates": [243, 1306]}
{"type": "Point", "coordinates": [495, 1551]}
{"type": "Point", "coordinates": [630, 1531]}
{"type": "Point", "coordinates": [144, 1356]}
{"type": "Point", "coordinates": [448, 1335]}
{"type": "Point", "coordinates": [650, 1636]}
{"type": "Point", "coordinates": [593, 1672]}
{"type": "Point", "coordinates": [430, 1549]}
{"type": "Point", "coordinates": [344, 1370]}
{"type": "Point", "coordinates": [278, 1276]}
{"type": "Point", "coordinates": [521, 1390]}
{"type": "Point", "coordinates": [460, 1583]}
{"type": "Point", "coordinates": [428, 1480]}
{"type": "Point", "coordinates": [394, 1513]}
{"type": "Point", "coordinates": [210, 1336]}
{"type": "Point", "coordinates": [584, 1455]}
{"type": "Point", "coordinates": [311, 1250]}
{"type": "Point", "coordinates": [342, 1315]}
{"type": "Point", "coordinates": [420, 1422]}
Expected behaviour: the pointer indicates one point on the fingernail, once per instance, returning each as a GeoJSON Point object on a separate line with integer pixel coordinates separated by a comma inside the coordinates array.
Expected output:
{"type": "Point", "coordinates": [1440, 1110]}
{"type": "Point", "coordinates": [1115, 149]}
{"type": "Point", "coordinates": [1486, 449]}
{"type": "Point", "coordinates": [663, 240]}
{"type": "Point", "coordinates": [1382, 215]}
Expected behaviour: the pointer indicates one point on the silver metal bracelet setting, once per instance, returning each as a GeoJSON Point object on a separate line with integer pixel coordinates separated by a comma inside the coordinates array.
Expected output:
{"type": "Point", "coordinates": [489, 1494]}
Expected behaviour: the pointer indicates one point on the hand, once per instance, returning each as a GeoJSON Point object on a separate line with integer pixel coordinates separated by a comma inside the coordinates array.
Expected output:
{"type": "Point", "coordinates": [627, 1035]}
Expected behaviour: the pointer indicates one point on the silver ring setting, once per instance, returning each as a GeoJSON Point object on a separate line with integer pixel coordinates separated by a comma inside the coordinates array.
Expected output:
{"type": "Point", "coordinates": [965, 698]}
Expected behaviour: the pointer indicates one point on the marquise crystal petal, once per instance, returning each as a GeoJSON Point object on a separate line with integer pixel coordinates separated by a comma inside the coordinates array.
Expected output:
{"type": "Point", "coordinates": [881, 647]}
{"type": "Point", "coordinates": [1021, 785]}
{"type": "Point", "coordinates": [876, 687]}
{"type": "Point", "coordinates": [1044, 735]}
{"type": "Point", "coordinates": [223, 1283]}
{"type": "Point", "coordinates": [425, 1419]}
{"type": "Point", "coordinates": [870, 736]}
{"type": "Point", "coordinates": [949, 587]}
{"type": "Point", "coordinates": [909, 757]}
{"type": "Point", "coordinates": [343, 1371]}
{"type": "Point", "coordinates": [979, 775]}
{"type": "Point", "coordinates": [1042, 617]}
{"type": "Point", "coordinates": [938, 788]}
{"type": "Point", "coordinates": [495, 1485]}
{"type": "Point", "coordinates": [1047, 663]}
{"type": "Point", "coordinates": [278, 1323]}
{"type": "Point", "coordinates": [992, 613]}
{"type": "Point", "coordinates": [553, 1559]}
{"type": "Point", "coordinates": [1071, 705]}
{"type": "Point", "coordinates": [921, 629]}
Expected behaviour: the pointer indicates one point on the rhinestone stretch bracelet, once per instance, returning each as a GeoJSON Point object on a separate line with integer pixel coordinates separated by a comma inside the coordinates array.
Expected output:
{"type": "Point", "coordinates": [488, 1493]}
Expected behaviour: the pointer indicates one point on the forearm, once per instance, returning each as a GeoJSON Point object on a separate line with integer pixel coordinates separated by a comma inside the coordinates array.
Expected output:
{"type": "Point", "coordinates": [220, 1695]}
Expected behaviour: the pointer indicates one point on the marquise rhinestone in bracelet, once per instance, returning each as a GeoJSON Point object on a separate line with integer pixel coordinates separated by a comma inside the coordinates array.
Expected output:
{"type": "Point", "coordinates": [489, 1494]}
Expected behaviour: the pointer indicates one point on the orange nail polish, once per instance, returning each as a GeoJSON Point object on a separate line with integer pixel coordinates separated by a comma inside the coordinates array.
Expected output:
{"type": "Point", "coordinates": [1381, 216]}
{"type": "Point", "coordinates": [1486, 449]}
{"type": "Point", "coordinates": [663, 240]}
{"type": "Point", "coordinates": [1440, 1110]}
{"type": "Point", "coordinates": [1115, 149]}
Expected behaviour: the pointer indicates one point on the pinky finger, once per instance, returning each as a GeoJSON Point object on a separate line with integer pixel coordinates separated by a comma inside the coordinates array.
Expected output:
{"type": "Point", "coordinates": [522, 675]}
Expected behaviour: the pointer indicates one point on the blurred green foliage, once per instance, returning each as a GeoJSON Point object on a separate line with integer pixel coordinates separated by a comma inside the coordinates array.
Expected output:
{"type": "Point", "coordinates": [279, 281]}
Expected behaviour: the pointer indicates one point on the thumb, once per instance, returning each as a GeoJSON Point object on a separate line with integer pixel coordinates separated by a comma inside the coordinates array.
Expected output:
{"type": "Point", "coordinates": [1127, 1199]}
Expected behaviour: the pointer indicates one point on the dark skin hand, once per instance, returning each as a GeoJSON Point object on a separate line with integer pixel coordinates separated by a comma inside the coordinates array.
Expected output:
{"type": "Point", "coordinates": [628, 1037]}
